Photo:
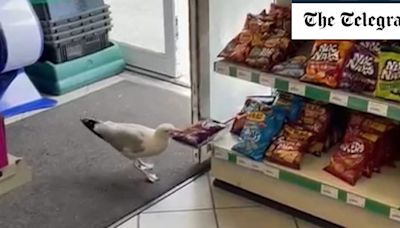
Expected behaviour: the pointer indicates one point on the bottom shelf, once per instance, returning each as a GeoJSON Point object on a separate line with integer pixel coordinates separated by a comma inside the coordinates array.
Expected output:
{"type": "Point", "coordinates": [14, 175]}
{"type": "Point", "coordinates": [298, 197]}
{"type": "Point", "coordinates": [378, 196]}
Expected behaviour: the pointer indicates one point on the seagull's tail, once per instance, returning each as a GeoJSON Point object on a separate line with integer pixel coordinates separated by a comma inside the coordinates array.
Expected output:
{"type": "Point", "coordinates": [91, 124]}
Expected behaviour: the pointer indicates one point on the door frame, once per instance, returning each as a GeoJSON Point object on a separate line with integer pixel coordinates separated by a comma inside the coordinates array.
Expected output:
{"type": "Point", "coordinates": [200, 67]}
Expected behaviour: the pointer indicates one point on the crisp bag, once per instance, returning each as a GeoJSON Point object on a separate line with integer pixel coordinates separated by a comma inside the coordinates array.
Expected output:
{"type": "Point", "coordinates": [259, 130]}
{"type": "Point", "coordinates": [316, 118]}
{"type": "Point", "coordinates": [360, 71]}
{"type": "Point", "coordinates": [289, 148]}
{"type": "Point", "coordinates": [349, 161]}
{"type": "Point", "coordinates": [199, 134]}
{"type": "Point", "coordinates": [252, 104]}
{"type": "Point", "coordinates": [327, 61]}
{"type": "Point", "coordinates": [388, 85]}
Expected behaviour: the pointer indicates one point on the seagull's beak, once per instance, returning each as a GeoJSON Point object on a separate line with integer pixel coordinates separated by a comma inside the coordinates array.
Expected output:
{"type": "Point", "coordinates": [174, 131]}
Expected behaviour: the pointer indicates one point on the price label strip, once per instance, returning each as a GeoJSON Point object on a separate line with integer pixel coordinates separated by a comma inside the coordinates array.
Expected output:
{"type": "Point", "coordinates": [339, 99]}
{"type": "Point", "coordinates": [329, 191]}
{"type": "Point", "coordinates": [271, 171]}
{"type": "Point", "coordinates": [221, 154]}
{"type": "Point", "coordinates": [266, 80]}
{"type": "Point", "coordinates": [395, 214]}
{"type": "Point", "coordinates": [297, 88]}
{"type": "Point", "coordinates": [377, 108]}
{"type": "Point", "coordinates": [223, 68]}
{"type": "Point", "coordinates": [244, 74]}
{"type": "Point", "coordinates": [355, 200]}
{"type": "Point", "coordinates": [244, 162]}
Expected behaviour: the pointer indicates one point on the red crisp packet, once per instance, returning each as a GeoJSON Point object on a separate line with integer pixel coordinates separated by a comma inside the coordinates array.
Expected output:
{"type": "Point", "coordinates": [327, 61]}
{"type": "Point", "coordinates": [199, 134]}
{"type": "Point", "coordinates": [3, 147]}
{"type": "Point", "coordinates": [351, 159]}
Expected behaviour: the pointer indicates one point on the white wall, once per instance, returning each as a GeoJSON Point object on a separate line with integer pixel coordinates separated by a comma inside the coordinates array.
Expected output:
{"type": "Point", "coordinates": [226, 20]}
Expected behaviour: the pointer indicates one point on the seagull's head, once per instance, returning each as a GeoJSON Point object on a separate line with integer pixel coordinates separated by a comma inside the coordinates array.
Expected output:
{"type": "Point", "coordinates": [166, 130]}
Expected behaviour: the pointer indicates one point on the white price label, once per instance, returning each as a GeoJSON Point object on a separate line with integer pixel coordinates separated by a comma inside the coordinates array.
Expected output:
{"type": "Point", "coordinates": [395, 214]}
{"type": "Point", "coordinates": [222, 68]}
{"type": "Point", "coordinates": [296, 88]}
{"type": "Point", "coordinates": [266, 80]}
{"type": "Point", "coordinates": [329, 191]}
{"type": "Point", "coordinates": [271, 171]}
{"type": "Point", "coordinates": [256, 165]}
{"type": "Point", "coordinates": [244, 74]}
{"type": "Point", "coordinates": [377, 108]}
{"type": "Point", "coordinates": [355, 200]}
{"type": "Point", "coordinates": [339, 99]}
{"type": "Point", "coordinates": [244, 162]}
{"type": "Point", "coordinates": [221, 154]}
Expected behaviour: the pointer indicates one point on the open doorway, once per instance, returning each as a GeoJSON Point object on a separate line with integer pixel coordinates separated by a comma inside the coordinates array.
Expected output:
{"type": "Point", "coordinates": [154, 37]}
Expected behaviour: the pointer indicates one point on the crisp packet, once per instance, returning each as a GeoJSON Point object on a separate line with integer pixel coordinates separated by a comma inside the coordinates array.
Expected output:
{"type": "Point", "coordinates": [388, 85]}
{"type": "Point", "coordinates": [199, 134]}
{"type": "Point", "coordinates": [351, 159]}
{"type": "Point", "coordinates": [316, 117]}
{"type": "Point", "coordinates": [289, 148]}
{"type": "Point", "coordinates": [327, 61]}
{"type": "Point", "coordinates": [258, 132]}
{"type": "Point", "coordinates": [292, 104]}
{"type": "Point", "coordinates": [293, 67]}
{"type": "Point", "coordinates": [360, 71]}
{"type": "Point", "coordinates": [252, 104]}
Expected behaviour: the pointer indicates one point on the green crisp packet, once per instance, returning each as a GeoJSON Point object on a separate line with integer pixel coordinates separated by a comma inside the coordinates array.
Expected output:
{"type": "Point", "coordinates": [388, 85]}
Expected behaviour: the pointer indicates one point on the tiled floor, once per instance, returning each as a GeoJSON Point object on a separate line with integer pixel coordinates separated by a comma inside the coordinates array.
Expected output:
{"type": "Point", "coordinates": [201, 205]}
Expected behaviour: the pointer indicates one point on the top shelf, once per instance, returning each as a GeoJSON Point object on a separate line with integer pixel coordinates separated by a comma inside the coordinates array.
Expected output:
{"type": "Point", "coordinates": [349, 100]}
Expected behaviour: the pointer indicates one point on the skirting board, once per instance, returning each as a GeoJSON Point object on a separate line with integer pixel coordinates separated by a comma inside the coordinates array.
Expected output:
{"type": "Point", "coordinates": [20, 174]}
{"type": "Point", "coordinates": [297, 198]}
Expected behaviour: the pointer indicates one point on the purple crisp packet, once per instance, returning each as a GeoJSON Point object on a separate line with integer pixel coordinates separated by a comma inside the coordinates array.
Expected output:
{"type": "Point", "coordinates": [373, 46]}
{"type": "Point", "coordinates": [360, 71]}
{"type": "Point", "coordinates": [199, 134]}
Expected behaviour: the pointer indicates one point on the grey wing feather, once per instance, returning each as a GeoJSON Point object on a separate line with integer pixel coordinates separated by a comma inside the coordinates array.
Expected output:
{"type": "Point", "coordinates": [122, 138]}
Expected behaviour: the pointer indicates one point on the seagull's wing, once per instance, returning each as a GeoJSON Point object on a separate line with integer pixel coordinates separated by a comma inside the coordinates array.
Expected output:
{"type": "Point", "coordinates": [123, 137]}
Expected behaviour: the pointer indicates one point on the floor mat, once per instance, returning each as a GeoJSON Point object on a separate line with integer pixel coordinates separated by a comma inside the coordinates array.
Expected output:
{"type": "Point", "coordinates": [80, 181]}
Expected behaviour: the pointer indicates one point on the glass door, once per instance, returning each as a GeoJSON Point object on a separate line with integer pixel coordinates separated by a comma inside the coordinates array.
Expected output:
{"type": "Point", "coordinates": [150, 36]}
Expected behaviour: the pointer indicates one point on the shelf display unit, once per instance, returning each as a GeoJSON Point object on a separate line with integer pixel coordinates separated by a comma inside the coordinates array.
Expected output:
{"type": "Point", "coordinates": [371, 202]}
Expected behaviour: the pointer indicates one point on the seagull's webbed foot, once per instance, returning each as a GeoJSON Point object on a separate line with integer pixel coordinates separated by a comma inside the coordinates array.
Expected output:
{"type": "Point", "coordinates": [151, 177]}
{"type": "Point", "coordinates": [147, 166]}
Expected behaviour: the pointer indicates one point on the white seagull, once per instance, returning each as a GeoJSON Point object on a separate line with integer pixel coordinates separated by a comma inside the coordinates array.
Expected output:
{"type": "Point", "coordinates": [134, 141]}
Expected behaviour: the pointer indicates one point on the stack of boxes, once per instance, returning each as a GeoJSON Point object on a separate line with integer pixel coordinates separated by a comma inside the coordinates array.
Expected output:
{"type": "Point", "coordinates": [73, 28]}
{"type": "Point", "coordinates": [75, 35]}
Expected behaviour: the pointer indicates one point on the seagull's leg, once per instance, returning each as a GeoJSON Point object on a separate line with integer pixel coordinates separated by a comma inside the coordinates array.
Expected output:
{"type": "Point", "coordinates": [150, 176]}
{"type": "Point", "coordinates": [147, 166]}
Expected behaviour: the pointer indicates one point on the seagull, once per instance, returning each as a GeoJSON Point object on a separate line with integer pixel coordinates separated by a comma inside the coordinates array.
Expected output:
{"type": "Point", "coordinates": [134, 141]}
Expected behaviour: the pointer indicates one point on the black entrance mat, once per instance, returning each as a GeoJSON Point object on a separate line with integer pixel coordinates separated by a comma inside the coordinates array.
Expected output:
{"type": "Point", "coordinates": [80, 181]}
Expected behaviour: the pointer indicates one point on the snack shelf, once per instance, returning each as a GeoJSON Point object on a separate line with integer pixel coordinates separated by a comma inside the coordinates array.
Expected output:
{"type": "Point", "coordinates": [349, 100]}
{"type": "Point", "coordinates": [380, 194]}
{"type": "Point", "coordinates": [14, 175]}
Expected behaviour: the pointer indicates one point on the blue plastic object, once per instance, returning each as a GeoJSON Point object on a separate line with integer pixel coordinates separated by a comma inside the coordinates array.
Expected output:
{"type": "Point", "coordinates": [18, 95]}
{"type": "Point", "coordinates": [3, 50]}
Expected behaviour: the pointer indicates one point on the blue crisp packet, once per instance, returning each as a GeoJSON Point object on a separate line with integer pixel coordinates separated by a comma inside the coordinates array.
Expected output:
{"type": "Point", "coordinates": [292, 104]}
{"type": "Point", "coordinates": [258, 132]}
